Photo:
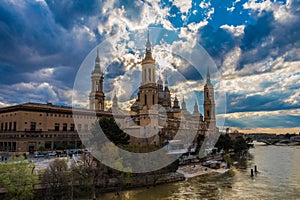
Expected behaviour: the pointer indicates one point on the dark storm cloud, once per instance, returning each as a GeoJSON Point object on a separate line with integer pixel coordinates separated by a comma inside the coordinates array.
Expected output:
{"type": "Point", "coordinates": [27, 33]}
{"type": "Point", "coordinates": [115, 69]}
{"type": "Point", "coordinates": [270, 38]}
{"type": "Point", "coordinates": [32, 38]}
{"type": "Point", "coordinates": [73, 12]}
{"type": "Point", "coordinates": [216, 42]}
{"type": "Point", "coordinates": [258, 102]}
{"type": "Point", "coordinates": [264, 121]}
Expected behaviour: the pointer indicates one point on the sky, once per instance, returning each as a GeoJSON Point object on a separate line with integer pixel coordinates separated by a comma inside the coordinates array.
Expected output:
{"type": "Point", "coordinates": [254, 45]}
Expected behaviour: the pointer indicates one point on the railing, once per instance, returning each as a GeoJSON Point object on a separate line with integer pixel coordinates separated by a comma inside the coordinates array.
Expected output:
{"type": "Point", "coordinates": [7, 131]}
{"type": "Point", "coordinates": [33, 130]}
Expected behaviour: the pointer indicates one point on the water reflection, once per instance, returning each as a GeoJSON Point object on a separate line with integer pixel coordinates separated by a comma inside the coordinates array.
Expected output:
{"type": "Point", "coordinates": [278, 178]}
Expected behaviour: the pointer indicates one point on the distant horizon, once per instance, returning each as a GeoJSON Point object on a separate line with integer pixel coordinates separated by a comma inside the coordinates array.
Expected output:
{"type": "Point", "coordinates": [280, 131]}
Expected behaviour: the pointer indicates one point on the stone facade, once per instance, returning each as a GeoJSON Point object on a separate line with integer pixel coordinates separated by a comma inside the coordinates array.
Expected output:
{"type": "Point", "coordinates": [31, 126]}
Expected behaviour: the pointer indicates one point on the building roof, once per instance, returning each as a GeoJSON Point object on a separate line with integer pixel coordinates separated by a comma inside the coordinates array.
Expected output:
{"type": "Point", "coordinates": [49, 107]}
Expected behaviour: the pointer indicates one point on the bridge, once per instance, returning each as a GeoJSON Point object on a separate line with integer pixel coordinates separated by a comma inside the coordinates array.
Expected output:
{"type": "Point", "coordinates": [268, 141]}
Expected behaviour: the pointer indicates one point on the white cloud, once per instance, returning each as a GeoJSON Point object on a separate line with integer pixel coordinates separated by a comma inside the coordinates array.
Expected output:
{"type": "Point", "coordinates": [281, 11]}
{"type": "Point", "coordinates": [41, 74]}
{"type": "Point", "coordinates": [230, 62]}
{"type": "Point", "coordinates": [294, 99]}
{"type": "Point", "coordinates": [239, 115]}
{"type": "Point", "coordinates": [183, 6]}
{"type": "Point", "coordinates": [236, 31]}
{"type": "Point", "coordinates": [232, 8]}
{"type": "Point", "coordinates": [204, 4]}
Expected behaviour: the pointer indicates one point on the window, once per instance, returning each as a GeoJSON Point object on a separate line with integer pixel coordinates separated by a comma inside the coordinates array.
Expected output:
{"type": "Point", "coordinates": [206, 94]}
{"type": "Point", "coordinates": [2, 126]}
{"type": "Point", "coordinates": [10, 126]}
{"type": "Point", "coordinates": [65, 126]}
{"type": "Point", "coordinates": [79, 127]}
{"type": "Point", "coordinates": [145, 99]}
{"type": "Point", "coordinates": [32, 126]}
{"type": "Point", "coordinates": [72, 127]}
{"type": "Point", "coordinates": [15, 126]}
{"type": "Point", "coordinates": [56, 126]}
{"type": "Point", "coordinates": [153, 99]}
{"type": "Point", "coordinates": [149, 74]}
{"type": "Point", "coordinates": [86, 127]}
{"type": "Point", "coordinates": [48, 144]}
{"type": "Point", "coordinates": [6, 126]}
{"type": "Point", "coordinates": [208, 113]}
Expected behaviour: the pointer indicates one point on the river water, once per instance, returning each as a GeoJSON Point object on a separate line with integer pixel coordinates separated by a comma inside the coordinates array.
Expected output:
{"type": "Point", "coordinates": [278, 178]}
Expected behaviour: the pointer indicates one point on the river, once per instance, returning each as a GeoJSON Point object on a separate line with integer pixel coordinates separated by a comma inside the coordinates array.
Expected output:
{"type": "Point", "coordinates": [278, 178]}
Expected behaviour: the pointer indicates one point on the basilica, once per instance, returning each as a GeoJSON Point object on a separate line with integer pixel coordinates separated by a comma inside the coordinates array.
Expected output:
{"type": "Point", "coordinates": [154, 118]}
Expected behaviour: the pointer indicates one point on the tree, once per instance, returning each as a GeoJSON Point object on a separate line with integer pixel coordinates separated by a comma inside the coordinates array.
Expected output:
{"type": "Point", "coordinates": [224, 142]}
{"type": "Point", "coordinates": [89, 173]}
{"type": "Point", "coordinates": [240, 144]}
{"type": "Point", "coordinates": [111, 129]}
{"type": "Point", "coordinates": [18, 179]}
{"type": "Point", "coordinates": [56, 178]}
{"type": "Point", "coordinates": [227, 130]}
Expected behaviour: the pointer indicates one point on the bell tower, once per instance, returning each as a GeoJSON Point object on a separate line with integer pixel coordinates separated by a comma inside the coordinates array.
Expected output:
{"type": "Point", "coordinates": [148, 88]}
{"type": "Point", "coordinates": [209, 102]}
{"type": "Point", "coordinates": [148, 91]}
{"type": "Point", "coordinates": [97, 96]}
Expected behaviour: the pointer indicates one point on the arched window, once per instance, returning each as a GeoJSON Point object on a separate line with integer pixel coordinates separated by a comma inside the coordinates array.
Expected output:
{"type": "Point", "coordinates": [208, 113]}
{"type": "Point", "coordinates": [149, 75]}
{"type": "Point", "coordinates": [145, 99]}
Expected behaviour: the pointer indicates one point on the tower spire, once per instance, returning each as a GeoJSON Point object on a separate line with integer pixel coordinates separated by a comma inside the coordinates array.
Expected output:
{"type": "Point", "coordinates": [97, 68]}
{"type": "Point", "coordinates": [208, 77]}
{"type": "Point", "coordinates": [148, 56]}
{"type": "Point", "coordinates": [183, 104]}
{"type": "Point", "coordinates": [159, 82]}
{"type": "Point", "coordinates": [148, 44]}
{"type": "Point", "coordinates": [115, 100]}
{"type": "Point", "coordinates": [196, 109]}
{"type": "Point", "coordinates": [97, 96]}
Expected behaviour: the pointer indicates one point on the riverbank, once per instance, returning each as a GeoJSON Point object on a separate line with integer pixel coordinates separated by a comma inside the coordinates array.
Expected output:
{"type": "Point", "coordinates": [190, 171]}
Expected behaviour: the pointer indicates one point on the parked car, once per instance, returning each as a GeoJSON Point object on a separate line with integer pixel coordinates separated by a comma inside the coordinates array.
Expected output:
{"type": "Point", "coordinates": [53, 153]}
{"type": "Point", "coordinates": [63, 155]}
{"type": "Point", "coordinates": [39, 155]}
